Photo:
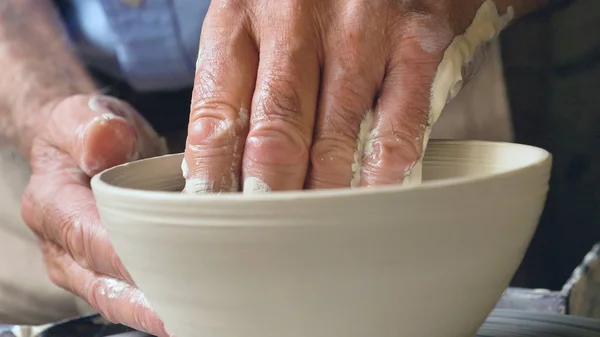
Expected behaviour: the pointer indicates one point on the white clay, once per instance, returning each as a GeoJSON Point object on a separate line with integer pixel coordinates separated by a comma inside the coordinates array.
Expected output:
{"type": "Point", "coordinates": [198, 185]}
{"type": "Point", "coordinates": [323, 263]}
{"type": "Point", "coordinates": [364, 146]}
{"type": "Point", "coordinates": [448, 81]}
{"type": "Point", "coordinates": [254, 185]}
{"type": "Point", "coordinates": [185, 169]}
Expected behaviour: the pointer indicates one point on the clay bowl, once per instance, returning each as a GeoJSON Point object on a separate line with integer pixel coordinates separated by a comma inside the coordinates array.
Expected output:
{"type": "Point", "coordinates": [419, 261]}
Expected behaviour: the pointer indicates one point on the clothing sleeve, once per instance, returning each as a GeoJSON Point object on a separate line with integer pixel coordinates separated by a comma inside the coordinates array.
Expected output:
{"type": "Point", "coordinates": [156, 40]}
{"type": "Point", "coordinates": [152, 45]}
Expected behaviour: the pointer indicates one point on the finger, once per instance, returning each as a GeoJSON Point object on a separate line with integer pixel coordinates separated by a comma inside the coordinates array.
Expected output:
{"type": "Point", "coordinates": [149, 143]}
{"type": "Point", "coordinates": [352, 75]}
{"type": "Point", "coordinates": [59, 207]}
{"type": "Point", "coordinates": [95, 136]}
{"type": "Point", "coordinates": [402, 111]}
{"type": "Point", "coordinates": [225, 77]}
{"type": "Point", "coordinates": [116, 300]}
{"type": "Point", "coordinates": [283, 106]}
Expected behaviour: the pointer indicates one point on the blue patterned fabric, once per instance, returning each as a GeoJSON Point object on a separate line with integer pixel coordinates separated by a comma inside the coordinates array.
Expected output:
{"type": "Point", "coordinates": [151, 44]}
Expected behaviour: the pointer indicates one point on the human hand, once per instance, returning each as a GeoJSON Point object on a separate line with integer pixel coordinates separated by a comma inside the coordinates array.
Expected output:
{"type": "Point", "coordinates": [83, 136]}
{"type": "Point", "coordinates": [283, 88]}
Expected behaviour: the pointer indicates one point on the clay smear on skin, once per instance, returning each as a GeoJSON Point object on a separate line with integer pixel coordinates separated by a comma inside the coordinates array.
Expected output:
{"type": "Point", "coordinates": [116, 289]}
{"type": "Point", "coordinates": [364, 147]}
{"type": "Point", "coordinates": [486, 26]}
{"type": "Point", "coordinates": [204, 184]}
{"type": "Point", "coordinates": [254, 185]}
{"type": "Point", "coordinates": [448, 81]}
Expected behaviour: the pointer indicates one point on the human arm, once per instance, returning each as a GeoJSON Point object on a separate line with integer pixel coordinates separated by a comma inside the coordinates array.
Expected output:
{"type": "Point", "coordinates": [50, 109]}
{"type": "Point", "coordinates": [38, 68]}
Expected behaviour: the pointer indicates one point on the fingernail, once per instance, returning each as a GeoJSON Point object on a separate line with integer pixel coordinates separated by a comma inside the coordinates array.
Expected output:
{"type": "Point", "coordinates": [99, 103]}
{"type": "Point", "coordinates": [105, 106]}
{"type": "Point", "coordinates": [104, 145]}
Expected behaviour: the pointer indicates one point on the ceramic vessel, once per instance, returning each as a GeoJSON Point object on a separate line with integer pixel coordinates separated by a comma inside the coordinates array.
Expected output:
{"type": "Point", "coordinates": [377, 262]}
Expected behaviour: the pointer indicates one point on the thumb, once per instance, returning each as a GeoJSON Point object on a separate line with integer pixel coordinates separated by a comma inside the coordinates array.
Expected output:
{"type": "Point", "coordinates": [92, 132]}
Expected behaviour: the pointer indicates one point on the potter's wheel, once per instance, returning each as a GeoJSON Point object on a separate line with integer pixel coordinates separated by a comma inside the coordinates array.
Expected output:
{"type": "Point", "coordinates": [501, 323]}
{"type": "Point", "coordinates": [516, 323]}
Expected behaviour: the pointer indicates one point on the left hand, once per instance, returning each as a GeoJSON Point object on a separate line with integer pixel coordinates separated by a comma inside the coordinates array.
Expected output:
{"type": "Point", "coordinates": [83, 135]}
{"type": "Point", "coordinates": [282, 87]}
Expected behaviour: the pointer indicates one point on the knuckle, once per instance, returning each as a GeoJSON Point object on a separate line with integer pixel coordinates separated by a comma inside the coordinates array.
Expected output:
{"type": "Point", "coordinates": [212, 107]}
{"type": "Point", "coordinates": [396, 150]}
{"type": "Point", "coordinates": [92, 295]}
{"type": "Point", "coordinates": [290, 11]}
{"type": "Point", "coordinates": [424, 33]}
{"type": "Point", "coordinates": [71, 234]}
{"type": "Point", "coordinates": [360, 35]}
{"type": "Point", "coordinates": [276, 144]}
{"type": "Point", "coordinates": [47, 213]}
{"type": "Point", "coordinates": [356, 63]}
{"type": "Point", "coordinates": [354, 22]}
{"type": "Point", "coordinates": [211, 133]}
{"type": "Point", "coordinates": [53, 269]}
{"type": "Point", "coordinates": [231, 7]}
{"type": "Point", "coordinates": [214, 122]}
{"type": "Point", "coordinates": [30, 209]}
{"type": "Point", "coordinates": [327, 152]}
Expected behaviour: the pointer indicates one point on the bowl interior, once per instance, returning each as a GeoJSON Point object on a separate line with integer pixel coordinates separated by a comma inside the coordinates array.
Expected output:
{"type": "Point", "coordinates": [445, 162]}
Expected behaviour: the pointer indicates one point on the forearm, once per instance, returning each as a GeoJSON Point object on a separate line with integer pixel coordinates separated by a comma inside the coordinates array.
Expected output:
{"type": "Point", "coordinates": [37, 68]}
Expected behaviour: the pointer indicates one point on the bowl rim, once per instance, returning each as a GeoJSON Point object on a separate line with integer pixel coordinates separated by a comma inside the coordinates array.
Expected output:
{"type": "Point", "coordinates": [98, 183]}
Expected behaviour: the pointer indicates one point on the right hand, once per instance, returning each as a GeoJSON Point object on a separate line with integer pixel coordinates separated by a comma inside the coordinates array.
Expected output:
{"type": "Point", "coordinates": [83, 136]}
